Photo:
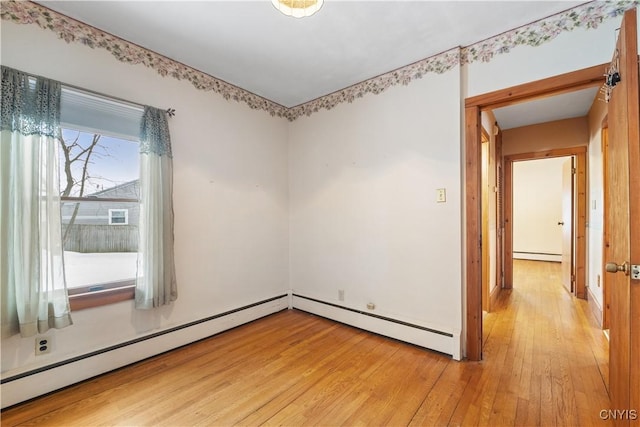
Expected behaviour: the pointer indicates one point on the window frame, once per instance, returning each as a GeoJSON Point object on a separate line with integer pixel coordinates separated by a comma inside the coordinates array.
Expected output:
{"type": "Point", "coordinates": [101, 294]}
{"type": "Point", "coordinates": [126, 216]}
{"type": "Point", "coordinates": [92, 112]}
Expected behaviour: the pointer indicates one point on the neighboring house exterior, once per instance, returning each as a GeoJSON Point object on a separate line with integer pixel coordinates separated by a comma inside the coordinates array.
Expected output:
{"type": "Point", "coordinates": [103, 226]}
{"type": "Point", "coordinates": [106, 213]}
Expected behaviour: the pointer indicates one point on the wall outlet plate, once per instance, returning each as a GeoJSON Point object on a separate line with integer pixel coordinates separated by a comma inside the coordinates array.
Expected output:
{"type": "Point", "coordinates": [43, 345]}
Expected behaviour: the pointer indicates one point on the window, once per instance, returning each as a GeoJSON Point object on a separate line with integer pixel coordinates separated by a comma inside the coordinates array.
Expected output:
{"type": "Point", "coordinates": [99, 184]}
{"type": "Point", "coordinates": [118, 216]}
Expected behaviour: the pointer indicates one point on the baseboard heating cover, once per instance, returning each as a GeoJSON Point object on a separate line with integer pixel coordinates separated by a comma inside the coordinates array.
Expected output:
{"type": "Point", "coordinates": [537, 256]}
{"type": "Point", "coordinates": [441, 341]}
{"type": "Point", "coordinates": [27, 385]}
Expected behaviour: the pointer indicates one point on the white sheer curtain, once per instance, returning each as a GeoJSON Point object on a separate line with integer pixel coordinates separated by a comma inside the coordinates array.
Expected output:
{"type": "Point", "coordinates": [156, 280]}
{"type": "Point", "coordinates": [34, 294]}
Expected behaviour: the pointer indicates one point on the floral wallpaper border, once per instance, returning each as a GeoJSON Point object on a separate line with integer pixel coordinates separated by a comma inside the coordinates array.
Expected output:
{"type": "Point", "coordinates": [588, 15]}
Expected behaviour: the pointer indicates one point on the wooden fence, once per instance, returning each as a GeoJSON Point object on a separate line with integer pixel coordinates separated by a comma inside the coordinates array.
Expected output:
{"type": "Point", "coordinates": [87, 238]}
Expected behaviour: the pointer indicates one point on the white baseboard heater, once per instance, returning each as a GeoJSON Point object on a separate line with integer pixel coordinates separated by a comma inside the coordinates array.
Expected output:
{"type": "Point", "coordinates": [441, 341]}
{"type": "Point", "coordinates": [537, 256]}
{"type": "Point", "coordinates": [28, 385]}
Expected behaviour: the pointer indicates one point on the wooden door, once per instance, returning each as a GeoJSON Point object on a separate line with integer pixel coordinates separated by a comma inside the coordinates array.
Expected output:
{"type": "Point", "coordinates": [624, 228]}
{"type": "Point", "coordinates": [567, 225]}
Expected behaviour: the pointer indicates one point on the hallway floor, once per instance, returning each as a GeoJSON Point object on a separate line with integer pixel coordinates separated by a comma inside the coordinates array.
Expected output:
{"type": "Point", "coordinates": [553, 358]}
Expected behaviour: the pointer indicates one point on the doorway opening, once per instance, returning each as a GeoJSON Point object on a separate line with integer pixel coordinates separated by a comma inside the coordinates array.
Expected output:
{"type": "Point", "coordinates": [570, 213]}
{"type": "Point", "coordinates": [474, 106]}
{"type": "Point", "coordinates": [543, 216]}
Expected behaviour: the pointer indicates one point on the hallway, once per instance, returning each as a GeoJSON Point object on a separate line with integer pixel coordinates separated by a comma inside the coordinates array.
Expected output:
{"type": "Point", "coordinates": [554, 359]}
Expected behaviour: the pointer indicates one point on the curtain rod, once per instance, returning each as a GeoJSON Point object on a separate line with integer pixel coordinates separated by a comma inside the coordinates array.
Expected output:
{"type": "Point", "coordinates": [170, 111]}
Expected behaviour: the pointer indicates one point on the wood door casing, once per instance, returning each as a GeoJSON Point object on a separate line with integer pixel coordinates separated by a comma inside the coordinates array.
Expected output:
{"type": "Point", "coordinates": [563, 83]}
{"type": "Point", "coordinates": [486, 279]}
{"type": "Point", "coordinates": [499, 214]}
{"type": "Point", "coordinates": [567, 225]}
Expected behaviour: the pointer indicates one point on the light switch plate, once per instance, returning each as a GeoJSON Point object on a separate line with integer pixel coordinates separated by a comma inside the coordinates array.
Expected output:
{"type": "Point", "coordinates": [441, 195]}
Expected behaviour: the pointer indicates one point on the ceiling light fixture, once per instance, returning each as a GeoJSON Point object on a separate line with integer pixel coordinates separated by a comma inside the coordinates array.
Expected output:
{"type": "Point", "coordinates": [298, 8]}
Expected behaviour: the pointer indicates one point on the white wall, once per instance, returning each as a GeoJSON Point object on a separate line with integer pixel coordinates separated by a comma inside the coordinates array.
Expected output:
{"type": "Point", "coordinates": [537, 207]}
{"type": "Point", "coordinates": [230, 197]}
{"type": "Point", "coordinates": [364, 217]}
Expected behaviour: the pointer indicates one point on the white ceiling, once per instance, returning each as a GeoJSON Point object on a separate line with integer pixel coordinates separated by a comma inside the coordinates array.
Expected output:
{"type": "Point", "coordinates": [291, 61]}
{"type": "Point", "coordinates": [559, 107]}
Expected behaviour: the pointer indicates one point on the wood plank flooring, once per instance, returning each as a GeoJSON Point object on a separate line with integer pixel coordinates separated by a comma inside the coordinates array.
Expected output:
{"type": "Point", "coordinates": [544, 364]}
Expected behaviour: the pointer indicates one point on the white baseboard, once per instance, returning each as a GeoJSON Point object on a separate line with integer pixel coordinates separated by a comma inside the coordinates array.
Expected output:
{"type": "Point", "coordinates": [20, 388]}
{"type": "Point", "coordinates": [594, 307]}
{"type": "Point", "coordinates": [444, 342]}
{"type": "Point", "coordinates": [537, 257]}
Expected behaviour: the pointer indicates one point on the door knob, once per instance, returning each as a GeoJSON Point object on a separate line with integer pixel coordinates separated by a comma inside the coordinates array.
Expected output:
{"type": "Point", "coordinates": [612, 267]}
{"type": "Point", "coordinates": [560, 222]}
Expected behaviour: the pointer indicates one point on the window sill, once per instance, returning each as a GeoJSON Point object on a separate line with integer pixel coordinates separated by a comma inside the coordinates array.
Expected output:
{"type": "Point", "coordinates": [81, 298]}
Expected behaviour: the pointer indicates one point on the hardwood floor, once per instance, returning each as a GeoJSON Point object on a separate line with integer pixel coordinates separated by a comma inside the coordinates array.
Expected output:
{"type": "Point", "coordinates": [545, 364]}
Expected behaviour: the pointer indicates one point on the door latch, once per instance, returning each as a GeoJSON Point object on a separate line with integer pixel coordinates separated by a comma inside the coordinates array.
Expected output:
{"type": "Point", "coordinates": [635, 272]}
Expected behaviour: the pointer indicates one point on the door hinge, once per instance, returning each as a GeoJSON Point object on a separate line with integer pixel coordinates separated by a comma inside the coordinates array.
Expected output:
{"type": "Point", "coordinates": [573, 171]}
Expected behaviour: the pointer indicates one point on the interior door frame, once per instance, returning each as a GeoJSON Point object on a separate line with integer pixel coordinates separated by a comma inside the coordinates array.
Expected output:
{"type": "Point", "coordinates": [563, 83]}
{"type": "Point", "coordinates": [486, 147]}
{"type": "Point", "coordinates": [579, 225]}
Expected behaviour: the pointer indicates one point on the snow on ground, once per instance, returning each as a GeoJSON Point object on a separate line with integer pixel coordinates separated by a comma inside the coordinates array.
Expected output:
{"type": "Point", "coordinates": [93, 268]}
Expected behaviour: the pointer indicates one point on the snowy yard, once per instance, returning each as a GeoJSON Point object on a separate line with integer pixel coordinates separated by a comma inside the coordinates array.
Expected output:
{"type": "Point", "coordinates": [92, 268]}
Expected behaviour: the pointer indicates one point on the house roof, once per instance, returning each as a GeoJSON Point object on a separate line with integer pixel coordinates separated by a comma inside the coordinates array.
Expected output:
{"type": "Point", "coordinates": [125, 188]}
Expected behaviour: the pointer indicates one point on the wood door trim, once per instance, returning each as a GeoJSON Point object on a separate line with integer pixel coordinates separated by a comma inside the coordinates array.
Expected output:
{"type": "Point", "coordinates": [548, 154]}
{"type": "Point", "coordinates": [472, 196]}
{"type": "Point", "coordinates": [507, 214]}
{"type": "Point", "coordinates": [499, 210]}
{"type": "Point", "coordinates": [562, 83]}
{"type": "Point", "coordinates": [485, 147]}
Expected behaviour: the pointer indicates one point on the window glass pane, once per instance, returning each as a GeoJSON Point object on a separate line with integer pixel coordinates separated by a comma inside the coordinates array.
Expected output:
{"type": "Point", "coordinates": [96, 252]}
{"type": "Point", "coordinates": [100, 232]}
{"type": "Point", "coordinates": [94, 165]}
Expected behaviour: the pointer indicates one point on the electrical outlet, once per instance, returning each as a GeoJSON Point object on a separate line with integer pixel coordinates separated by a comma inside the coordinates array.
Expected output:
{"type": "Point", "coordinates": [43, 345]}
{"type": "Point", "coordinates": [340, 294]}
